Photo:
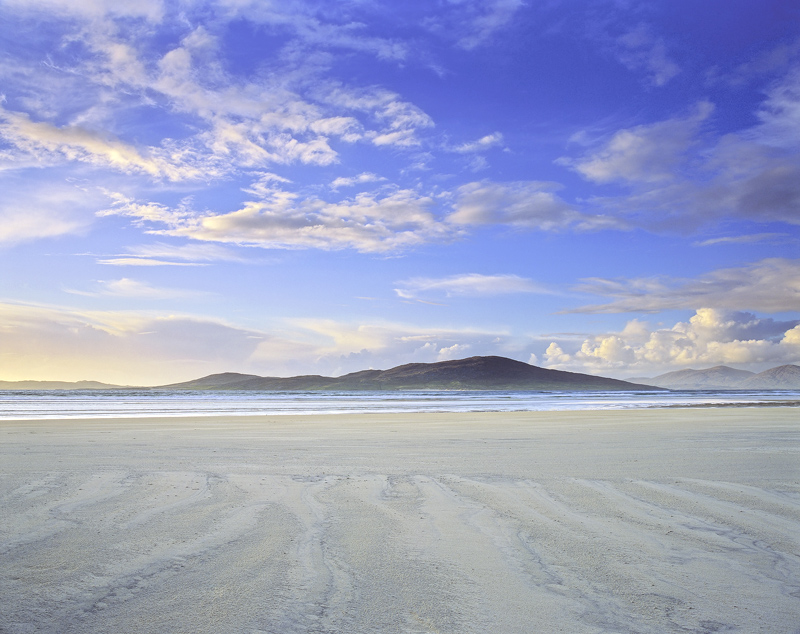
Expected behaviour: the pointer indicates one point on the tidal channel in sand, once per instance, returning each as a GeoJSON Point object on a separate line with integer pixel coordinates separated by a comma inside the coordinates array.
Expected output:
{"type": "Point", "coordinates": [645, 521]}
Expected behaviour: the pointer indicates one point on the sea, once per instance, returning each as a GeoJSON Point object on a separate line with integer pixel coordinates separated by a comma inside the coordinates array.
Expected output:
{"type": "Point", "coordinates": [139, 403]}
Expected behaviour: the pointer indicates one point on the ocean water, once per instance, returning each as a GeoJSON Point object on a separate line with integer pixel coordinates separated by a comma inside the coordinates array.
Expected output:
{"type": "Point", "coordinates": [72, 404]}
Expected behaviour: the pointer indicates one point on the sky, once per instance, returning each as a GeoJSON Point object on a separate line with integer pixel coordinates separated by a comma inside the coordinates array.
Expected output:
{"type": "Point", "coordinates": [307, 187]}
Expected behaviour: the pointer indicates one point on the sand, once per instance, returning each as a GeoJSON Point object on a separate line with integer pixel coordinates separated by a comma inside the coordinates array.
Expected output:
{"type": "Point", "coordinates": [681, 520]}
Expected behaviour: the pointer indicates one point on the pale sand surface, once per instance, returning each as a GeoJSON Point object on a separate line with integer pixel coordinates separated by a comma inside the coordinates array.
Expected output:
{"type": "Point", "coordinates": [620, 521]}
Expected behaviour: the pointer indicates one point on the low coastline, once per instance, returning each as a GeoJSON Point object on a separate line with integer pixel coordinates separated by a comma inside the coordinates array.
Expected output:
{"type": "Point", "coordinates": [581, 521]}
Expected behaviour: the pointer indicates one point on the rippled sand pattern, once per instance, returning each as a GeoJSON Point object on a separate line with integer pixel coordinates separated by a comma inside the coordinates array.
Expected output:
{"type": "Point", "coordinates": [641, 521]}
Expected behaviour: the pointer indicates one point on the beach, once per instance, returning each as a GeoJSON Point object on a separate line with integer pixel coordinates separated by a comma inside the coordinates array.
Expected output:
{"type": "Point", "coordinates": [625, 521]}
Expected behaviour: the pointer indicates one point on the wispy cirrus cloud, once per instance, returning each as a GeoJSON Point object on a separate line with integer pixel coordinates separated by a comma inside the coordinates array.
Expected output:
{"type": "Point", "coordinates": [349, 181]}
{"type": "Point", "coordinates": [49, 210]}
{"type": "Point", "coordinates": [73, 143]}
{"type": "Point", "coordinates": [468, 285]}
{"type": "Point", "coordinates": [484, 143]}
{"type": "Point", "coordinates": [162, 254]}
{"type": "Point", "coordinates": [639, 50]}
{"type": "Point", "coordinates": [129, 288]}
{"type": "Point", "coordinates": [745, 239]}
{"type": "Point", "coordinates": [473, 23]}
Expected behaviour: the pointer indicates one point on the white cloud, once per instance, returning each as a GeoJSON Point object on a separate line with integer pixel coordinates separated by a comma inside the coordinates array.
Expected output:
{"type": "Point", "coordinates": [780, 113]}
{"type": "Point", "coordinates": [468, 285]}
{"type": "Point", "coordinates": [341, 347]}
{"type": "Point", "coordinates": [771, 285]}
{"type": "Point", "coordinates": [46, 210]}
{"type": "Point", "coordinates": [396, 221]}
{"type": "Point", "coordinates": [711, 337]}
{"type": "Point", "coordinates": [304, 22]}
{"type": "Point", "coordinates": [484, 143]}
{"type": "Point", "coordinates": [646, 154]}
{"type": "Point", "coordinates": [638, 49]}
{"type": "Point", "coordinates": [126, 287]}
{"type": "Point", "coordinates": [364, 177]}
{"type": "Point", "coordinates": [150, 9]}
{"type": "Point", "coordinates": [125, 347]}
{"type": "Point", "coordinates": [132, 261]}
{"type": "Point", "coordinates": [521, 204]}
{"type": "Point", "coordinates": [192, 254]}
{"type": "Point", "coordinates": [475, 22]}
{"type": "Point", "coordinates": [401, 121]}
{"type": "Point", "coordinates": [42, 140]}
{"type": "Point", "coordinates": [744, 239]}
{"type": "Point", "coordinates": [681, 177]}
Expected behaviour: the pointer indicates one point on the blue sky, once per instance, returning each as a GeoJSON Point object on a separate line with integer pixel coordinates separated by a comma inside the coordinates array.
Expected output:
{"type": "Point", "coordinates": [299, 187]}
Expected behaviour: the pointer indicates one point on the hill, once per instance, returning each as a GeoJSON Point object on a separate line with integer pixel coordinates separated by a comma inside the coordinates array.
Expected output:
{"type": "Point", "coordinates": [785, 377]}
{"type": "Point", "coordinates": [474, 373]}
{"type": "Point", "coordinates": [56, 385]}
{"type": "Point", "coordinates": [717, 378]}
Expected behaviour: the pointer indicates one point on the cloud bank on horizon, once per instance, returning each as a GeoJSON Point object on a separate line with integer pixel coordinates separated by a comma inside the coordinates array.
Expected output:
{"type": "Point", "coordinates": [283, 188]}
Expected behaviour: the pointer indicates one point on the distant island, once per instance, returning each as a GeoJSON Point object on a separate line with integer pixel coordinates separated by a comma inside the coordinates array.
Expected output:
{"type": "Point", "coordinates": [474, 373]}
{"type": "Point", "coordinates": [58, 385]}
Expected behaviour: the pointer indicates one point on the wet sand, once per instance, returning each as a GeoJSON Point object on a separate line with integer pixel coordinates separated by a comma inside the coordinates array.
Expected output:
{"type": "Point", "coordinates": [680, 520]}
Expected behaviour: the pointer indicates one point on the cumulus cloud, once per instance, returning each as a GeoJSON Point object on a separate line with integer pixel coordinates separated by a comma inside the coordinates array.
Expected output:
{"type": "Point", "coordinates": [771, 285]}
{"type": "Point", "coordinates": [711, 337]}
{"type": "Point", "coordinates": [468, 285]}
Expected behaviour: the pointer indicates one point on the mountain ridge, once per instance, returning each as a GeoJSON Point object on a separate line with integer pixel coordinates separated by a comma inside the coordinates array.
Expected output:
{"type": "Point", "coordinates": [721, 377]}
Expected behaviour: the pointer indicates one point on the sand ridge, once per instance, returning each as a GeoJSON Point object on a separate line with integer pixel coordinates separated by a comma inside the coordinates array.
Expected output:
{"type": "Point", "coordinates": [624, 521]}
